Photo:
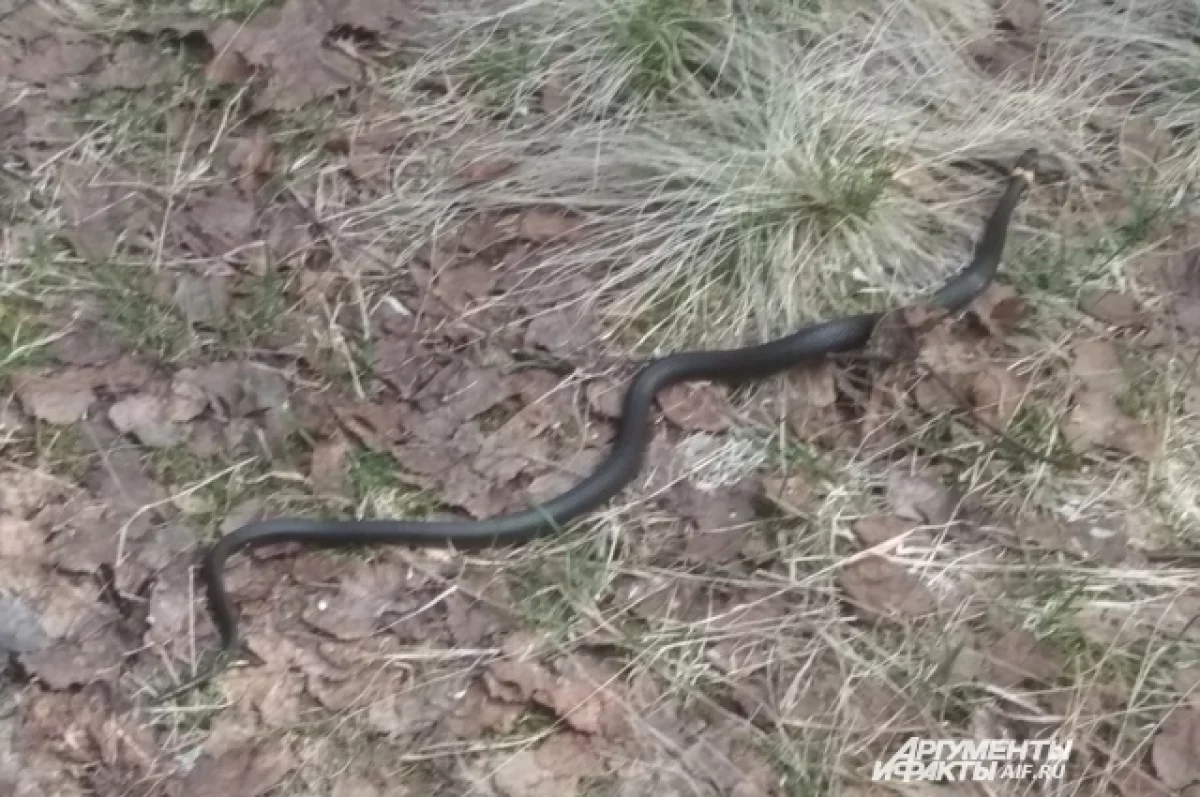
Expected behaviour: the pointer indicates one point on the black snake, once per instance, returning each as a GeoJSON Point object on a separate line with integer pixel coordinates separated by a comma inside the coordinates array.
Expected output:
{"type": "Point", "coordinates": [633, 435]}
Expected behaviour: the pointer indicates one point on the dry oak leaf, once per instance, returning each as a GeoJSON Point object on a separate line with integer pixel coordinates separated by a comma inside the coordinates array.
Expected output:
{"type": "Point", "coordinates": [288, 44]}
{"type": "Point", "coordinates": [1112, 307]}
{"type": "Point", "coordinates": [1096, 419]}
{"type": "Point", "coordinates": [877, 529]}
{"type": "Point", "coordinates": [696, 407]}
{"type": "Point", "coordinates": [60, 399]}
{"type": "Point", "coordinates": [146, 417]}
{"type": "Point", "coordinates": [135, 65]}
{"type": "Point", "coordinates": [541, 225]}
{"type": "Point", "coordinates": [883, 590]}
{"type": "Point", "coordinates": [996, 394]}
{"type": "Point", "coordinates": [920, 498]}
{"type": "Point", "coordinates": [328, 471]}
{"type": "Point", "coordinates": [51, 59]}
{"type": "Point", "coordinates": [520, 775]}
{"type": "Point", "coordinates": [1176, 750]}
{"type": "Point", "coordinates": [1018, 656]}
{"type": "Point", "coordinates": [203, 300]}
{"type": "Point", "coordinates": [246, 772]}
{"type": "Point", "coordinates": [999, 309]}
{"type": "Point", "coordinates": [363, 596]}
{"type": "Point", "coordinates": [69, 663]}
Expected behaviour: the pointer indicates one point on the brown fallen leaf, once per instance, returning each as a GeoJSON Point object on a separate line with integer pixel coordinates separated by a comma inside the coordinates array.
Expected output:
{"type": "Point", "coordinates": [560, 333]}
{"type": "Point", "coordinates": [246, 772]}
{"type": "Point", "coordinates": [288, 44]}
{"type": "Point", "coordinates": [1022, 16]}
{"type": "Point", "coordinates": [696, 407]}
{"type": "Point", "coordinates": [203, 300]}
{"type": "Point", "coordinates": [920, 498]}
{"type": "Point", "coordinates": [68, 663]}
{"type": "Point", "coordinates": [356, 610]}
{"type": "Point", "coordinates": [605, 398]}
{"type": "Point", "coordinates": [329, 470]}
{"type": "Point", "coordinates": [1176, 749]}
{"type": "Point", "coordinates": [1000, 309]}
{"type": "Point", "coordinates": [1112, 307]}
{"type": "Point", "coordinates": [461, 285]}
{"type": "Point", "coordinates": [135, 65]}
{"type": "Point", "coordinates": [252, 154]}
{"type": "Point", "coordinates": [21, 629]}
{"type": "Point", "coordinates": [1096, 420]}
{"type": "Point", "coordinates": [355, 786]}
{"type": "Point", "coordinates": [59, 399]}
{"type": "Point", "coordinates": [520, 775]}
{"type": "Point", "coordinates": [480, 170]}
{"type": "Point", "coordinates": [51, 59]}
{"type": "Point", "coordinates": [87, 343]}
{"type": "Point", "coordinates": [878, 529]}
{"type": "Point", "coordinates": [146, 417]}
{"type": "Point", "coordinates": [541, 225]}
{"type": "Point", "coordinates": [238, 389]}
{"type": "Point", "coordinates": [225, 221]}
{"type": "Point", "coordinates": [1016, 657]}
{"type": "Point", "coordinates": [996, 393]}
{"type": "Point", "coordinates": [883, 590]}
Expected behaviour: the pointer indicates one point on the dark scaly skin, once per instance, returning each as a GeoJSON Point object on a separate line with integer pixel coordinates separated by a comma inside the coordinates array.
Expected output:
{"type": "Point", "coordinates": [633, 435]}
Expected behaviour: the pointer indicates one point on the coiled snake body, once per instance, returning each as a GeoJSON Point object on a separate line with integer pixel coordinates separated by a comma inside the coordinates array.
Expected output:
{"type": "Point", "coordinates": [633, 435]}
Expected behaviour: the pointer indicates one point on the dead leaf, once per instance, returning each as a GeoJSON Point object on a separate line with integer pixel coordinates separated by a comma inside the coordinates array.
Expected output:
{"type": "Point", "coordinates": [791, 493]}
{"type": "Point", "coordinates": [481, 170]}
{"type": "Point", "coordinates": [1096, 419]}
{"type": "Point", "coordinates": [147, 418]}
{"type": "Point", "coordinates": [920, 498]}
{"type": "Point", "coordinates": [996, 394]}
{"type": "Point", "coordinates": [541, 225]}
{"type": "Point", "coordinates": [1018, 656]}
{"type": "Point", "coordinates": [878, 529]}
{"type": "Point", "coordinates": [51, 59]}
{"type": "Point", "coordinates": [1022, 16]}
{"type": "Point", "coordinates": [883, 590]}
{"type": "Point", "coordinates": [461, 285]}
{"type": "Point", "coordinates": [1000, 309]}
{"type": "Point", "coordinates": [356, 610]}
{"type": "Point", "coordinates": [60, 399]}
{"type": "Point", "coordinates": [21, 629]}
{"type": "Point", "coordinates": [1098, 366]}
{"type": "Point", "coordinates": [246, 772]}
{"type": "Point", "coordinates": [135, 65]}
{"type": "Point", "coordinates": [520, 775]}
{"type": "Point", "coordinates": [696, 407]}
{"type": "Point", "coordinates": [288, 44]}
{"type": "Point", "coordinates": [238, 389]}
{"type": "Point", "coordinates": [20, 539]}
{"type": "Point", "coordinates": [605, 398]}
{"type": "Point", "coordinates": [225, 221]}
{"type": "Point", "coordinates": [228, 67]}
{"type": "Point", "coordinates": [560, 333]}
{"type": "Point", "coordinates": [1112, 307]}
{"type": "Point", "coordinates": [328, 473]}
{"type": "Point", "coordinates": [356, 786]}
{"type": "Point", "coordinates": [87, 343]}
{"type": "Point", "coordinates": [252, 154]}
{"type": "Point", "coordinates": [202, 299]}
{"type": "Point", "coordinates": [69, 663]}
{"type": "Point", "coordinates": [1176, 750]}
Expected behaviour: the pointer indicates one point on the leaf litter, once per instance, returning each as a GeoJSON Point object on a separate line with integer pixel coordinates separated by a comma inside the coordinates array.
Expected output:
{"type": "Point", "coordinates": [473, 435]}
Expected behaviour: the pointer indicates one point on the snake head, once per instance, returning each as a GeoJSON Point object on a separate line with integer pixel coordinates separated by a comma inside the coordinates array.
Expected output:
{"type": "Point", "coordinates": [1026, 165]}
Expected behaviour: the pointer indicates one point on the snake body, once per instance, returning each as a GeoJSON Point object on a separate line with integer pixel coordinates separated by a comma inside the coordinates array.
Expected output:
{"type": "Point", "coordinates": [624, 460]}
